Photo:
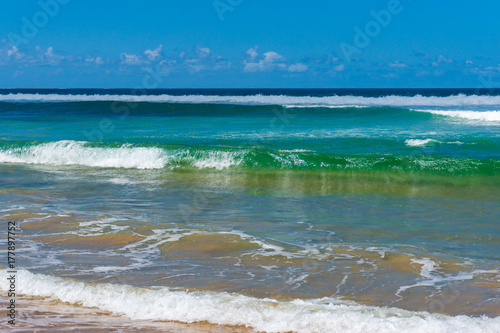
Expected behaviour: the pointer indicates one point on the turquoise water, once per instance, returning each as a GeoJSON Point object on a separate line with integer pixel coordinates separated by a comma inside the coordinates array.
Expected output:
{"type": "Point", "coordinates": [384, 198]}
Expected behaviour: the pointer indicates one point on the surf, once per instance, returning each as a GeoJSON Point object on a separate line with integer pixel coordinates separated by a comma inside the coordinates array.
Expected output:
{"type": "Point", "coordinates": [284, 100]}
{"type": "Point", "coordinates": [269, 315]}
{"type": "Point", "coordinates": [128, 156]}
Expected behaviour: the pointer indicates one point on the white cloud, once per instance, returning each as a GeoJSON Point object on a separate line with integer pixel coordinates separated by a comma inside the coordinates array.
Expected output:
{"type": "Point", "coordinates": [50, 57]}
{"type": "Point", "coordinates": [339, 68]}
{"type": "Point", "coordinates": [271, 57]}
{"type": "Point", "coordinates": [252, 52]}
{"type": "Point", "coordinates": [203, 52]}
{"type": "Point", "coordinates": [390, 75]}
{"type": "Point", "coordinates": [271, 61]}
{"type": "Point", "coordinates": [253, 67]}
{"type": "Point", "coordinates": [193, 68]}
{"type": "Point", "coordinates": [469, 62]}
{"type": "Point", "coordinates": [135, 60]}
{"type": "Point", "coordinates": [97, 61]}
{"type": "Point", "coordinates": [493, 69]}
{"type": "Point", "coordinates": [194, 65]}
{"type": "Point", "coordinates": [14, 52]}
{"type": "Point", "coordinates": [50, 52]}
{"type": "Point", "coordinates": [422, 73]}
{"type": "Point", "coordinates": [398, 64]}
{"type": "Point", "coordinates": [299, 67]}
{"type": "Point", "coordinates": [130, 59]}
{"type": "Point", "coordinates": [155, 54]}
{"type": "Point", "coordinates": [40, 56]}
{"type": "Point", "coordinates": [194, 61]}
{"type": "Point", "coordinates": [222, 65]}
{"type": "Point", "coordinates": [442, 58]}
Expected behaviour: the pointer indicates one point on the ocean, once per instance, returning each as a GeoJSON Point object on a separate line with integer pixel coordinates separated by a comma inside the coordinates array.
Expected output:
{"type": "Point", "coordinates": [373, 210]}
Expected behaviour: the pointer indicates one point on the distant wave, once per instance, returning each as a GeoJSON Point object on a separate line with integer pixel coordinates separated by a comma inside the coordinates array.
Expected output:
{"type": "Point", "coordinates": [419, 142]}
{"type": "Point", "coordinates": [425, 142]}
{"type": "Point", "coordinates": [284, 100]}
{"type": "Point", "coordinates": [435, 103]}
{"type": "Point", "coordinates": [473, 115]}
{"type": "Point", "coordinates": [68, 152]}
{"type": "Point", "coordinates": [268, 315]}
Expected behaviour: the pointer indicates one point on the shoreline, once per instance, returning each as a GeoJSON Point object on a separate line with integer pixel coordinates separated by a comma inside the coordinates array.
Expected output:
{"type": "Point", "coordinates": [62, 305]}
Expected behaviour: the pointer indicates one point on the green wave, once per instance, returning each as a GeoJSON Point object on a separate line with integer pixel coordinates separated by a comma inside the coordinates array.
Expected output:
{"type": "Point", "coordinates": [162, 156]}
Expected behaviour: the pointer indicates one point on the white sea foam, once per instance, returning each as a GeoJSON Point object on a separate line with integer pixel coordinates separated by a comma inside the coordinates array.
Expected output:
{"type": "Point", "coordinates": [265, 248]}
{"type": "Point", "coordinates": [68, 152]}
{"type": "Point", "coordinates": [95, 227]}
{"type": "Point", "coordinates": [428, 266]}
{"type": "Point", "coordinates": [464, 114]}
{"type": "Point", "coordinates": [293, 101]}
{"type": "Point", "coordinates": [294, 151]}
{"type": "Point", "coordinates": [298, 106]}
{"type": "Point", "coordinates": [381, 251]}
{"type": "Point", "coordinates": [289, 160]}
{"type": "Point", "coordinates": [436, 103]}
{"type": "Point", "coordinates": [268, 315]}
{"type": "Point", "coordinates": [12, 208]}
{"type": "Point", "coordinates": [431, 277]}
{"type": "Point", "coordinates": [418, 142]}
{"type": "Point", "coordinates": [424, 142]}
{"type": "Point", "coordinates": [218, 160]}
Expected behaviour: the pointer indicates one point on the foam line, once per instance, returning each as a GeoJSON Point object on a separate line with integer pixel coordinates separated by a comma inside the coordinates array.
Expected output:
{"type": "Point", "coordinates": [309, 101]}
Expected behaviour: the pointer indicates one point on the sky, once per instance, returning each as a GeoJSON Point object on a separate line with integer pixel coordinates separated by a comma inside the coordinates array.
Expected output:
{"type": "Point", "coordinates": [250, 44]}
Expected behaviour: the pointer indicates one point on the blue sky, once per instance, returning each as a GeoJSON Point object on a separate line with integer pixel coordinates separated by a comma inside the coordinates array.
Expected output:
{"type": "Point", "coordinates": [249, 44]}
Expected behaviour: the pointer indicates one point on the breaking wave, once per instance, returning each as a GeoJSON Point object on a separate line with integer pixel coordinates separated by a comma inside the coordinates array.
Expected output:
{"type": "Point", "coordinates": [68, 152]}
{"type": "Point", "coordinates": [309, 101]}
{"type": "Point", "coordinates": [268, 315]}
